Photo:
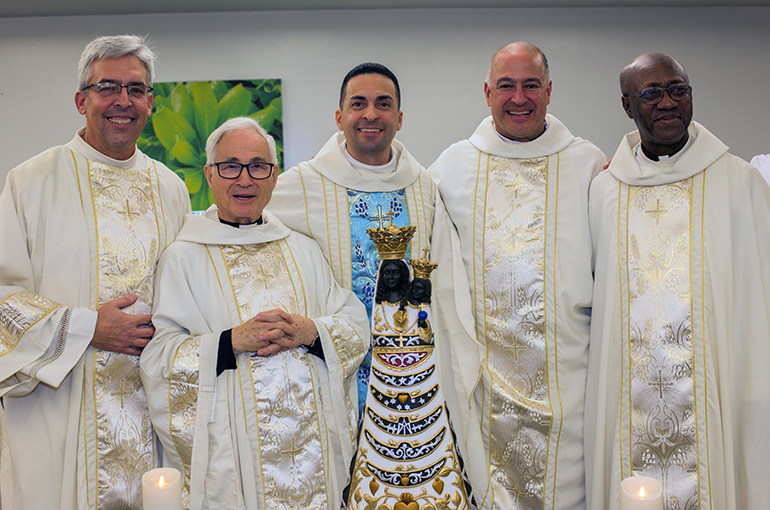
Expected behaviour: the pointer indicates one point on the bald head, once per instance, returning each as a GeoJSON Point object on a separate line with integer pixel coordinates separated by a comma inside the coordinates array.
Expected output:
{"type": "Point", "coordinates": [519, 47]}
{"type": "Point", "coordinates": [657, 96]}
{"type": "Point", "coordinates": [631, 75]}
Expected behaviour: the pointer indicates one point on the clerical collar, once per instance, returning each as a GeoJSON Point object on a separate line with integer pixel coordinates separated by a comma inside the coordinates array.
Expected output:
{"type": "Point", "coordinates": [239, 225]}
{"type": "Point", "coordinates": [509, 140]}
{"type": "Point", "coordinates": [654, 157]}
{"type": "Point", "coordinates": [387, 168]}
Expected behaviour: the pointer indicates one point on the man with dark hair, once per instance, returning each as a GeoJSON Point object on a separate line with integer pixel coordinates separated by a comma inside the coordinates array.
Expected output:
{"type": "Point", "coordinates": [82, 227]}
{"type": "Point", "coordinates": [517, 192]}
{"type": "Point", "coordinates": [680, 331]}
{"type": "Point", "coordinates": [361, 178]}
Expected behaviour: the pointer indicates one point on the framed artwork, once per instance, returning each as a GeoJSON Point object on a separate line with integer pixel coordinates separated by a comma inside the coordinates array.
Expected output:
{"type": "Point", "coordinates": [185, 113]}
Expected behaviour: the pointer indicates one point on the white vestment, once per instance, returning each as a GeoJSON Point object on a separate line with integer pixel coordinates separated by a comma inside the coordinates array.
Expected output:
{"type": "Point", "coordinates": [333, 202]}
{"type": "Point", "coordinates": [277, 431]}
{"type": "Point", "coordinates": [78, 229]}
{"type": "Point", "coordinates": [762, 162]}
{"type": "Point", "coordinates": [521, 211]}
{"type": "Point", "coordinates": [680, 336]}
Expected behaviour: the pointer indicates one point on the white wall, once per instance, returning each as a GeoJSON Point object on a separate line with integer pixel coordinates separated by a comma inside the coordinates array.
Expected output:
{"type": "Point", "coordinates": [440, 57]}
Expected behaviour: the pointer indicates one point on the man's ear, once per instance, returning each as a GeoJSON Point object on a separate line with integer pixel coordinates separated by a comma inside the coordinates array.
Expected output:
{"type": "Point", "coordinates": [626, 106]}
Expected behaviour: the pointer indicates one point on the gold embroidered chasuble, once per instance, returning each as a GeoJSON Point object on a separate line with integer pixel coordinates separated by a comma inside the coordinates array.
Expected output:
{"type": "Point", "coordinates": [95, 232]}
{"type": "Point", "coordinates": [520, 211]}
{"type": "Point", "coordinates": [676, 246]}
{"type": "Point", "coordinates": [275, 432]}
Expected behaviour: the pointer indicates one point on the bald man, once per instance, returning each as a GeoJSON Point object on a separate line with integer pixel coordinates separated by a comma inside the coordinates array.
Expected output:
{"type": "Point", "coordinates": [517, 193]}
{"type": "Point", "coordinates": [680, 335]}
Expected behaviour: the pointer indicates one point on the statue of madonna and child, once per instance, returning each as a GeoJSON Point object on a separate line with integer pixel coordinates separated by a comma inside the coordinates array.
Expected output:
{"type": "Point", "coordinates": [407, 457]}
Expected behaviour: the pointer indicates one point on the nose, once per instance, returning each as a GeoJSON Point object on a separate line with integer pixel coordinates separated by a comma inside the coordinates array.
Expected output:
{"type": "Point", "coordinates": [244, 180]}
{"type": "Point", "coordinates": [122, 97]}
{"type": "Point", "coordinates": [666, 102]}
{"type": "Point", "coordinates": [371, 113]}
{"type": "Point", "coordinates": [518, 96]}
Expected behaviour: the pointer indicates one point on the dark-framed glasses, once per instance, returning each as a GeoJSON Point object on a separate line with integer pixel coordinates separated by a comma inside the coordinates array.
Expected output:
{"type": "Point", "coordinates": [233, 169]}
{"type": "Point", "coordinates": [111, 89]}
{"type": "Point", "coordinates": [653, 95]}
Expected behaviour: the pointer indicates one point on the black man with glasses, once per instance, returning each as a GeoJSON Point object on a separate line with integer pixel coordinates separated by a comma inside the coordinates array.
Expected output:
{"type": "Point", "coordinates": [83, 226]}
{"type": "Point", "coordinates": [680, 331]}
{"type": "Point", "coordinates": [257, 346]}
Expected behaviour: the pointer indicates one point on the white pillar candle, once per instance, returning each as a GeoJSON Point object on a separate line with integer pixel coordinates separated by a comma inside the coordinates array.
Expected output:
{"type": "Point", "coordinates": [641, 493]}
{"type": "Point", "coordinates": [162, 489]}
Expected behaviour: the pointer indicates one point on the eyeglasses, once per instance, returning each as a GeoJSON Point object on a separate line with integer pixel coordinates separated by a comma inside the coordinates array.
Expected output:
{"type": "Point", "coordinates": [233, 169]}
{"type": "Point", "coordinates": [111, 89]}
{"type": "Point", "coordinates": [654, 95]}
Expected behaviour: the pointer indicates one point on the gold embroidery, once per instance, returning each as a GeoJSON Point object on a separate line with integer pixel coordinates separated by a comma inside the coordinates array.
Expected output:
{"type": "Point", "coordinates": [18, 313]}
{"type": "Point", "coordinates": [183, 403]}
{"type": "Point", "coordinates": [282, 386]}
{"type": "Point", "coordinates": [662, 422]}
{"type": "Point", "coordinates": [514, 279]}
{"type": "Point", "coordinates": [127, 252]}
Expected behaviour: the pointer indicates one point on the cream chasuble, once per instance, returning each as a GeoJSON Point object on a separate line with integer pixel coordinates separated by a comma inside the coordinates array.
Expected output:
{"type": "Point", "coordinates": [333, 202]}
{"type": "Point", "coordinates": [79, 230]}
{"type": "Point", "coordinates": [277, 432]}
{"type": "Point", "coordinates": [521, 214]}
{"type": "Point", "coordinates": [680, 340]}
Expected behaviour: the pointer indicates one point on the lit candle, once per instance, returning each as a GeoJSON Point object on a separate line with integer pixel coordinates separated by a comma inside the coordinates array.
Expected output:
{"type": "Point", "coordinates": [641, 493]}
{"type": "Point", "coordinates": [162, 489]}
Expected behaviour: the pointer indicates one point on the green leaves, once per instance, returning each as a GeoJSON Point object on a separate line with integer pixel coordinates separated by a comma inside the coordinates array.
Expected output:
{"type": "Point", "coordinates": [185, 114]}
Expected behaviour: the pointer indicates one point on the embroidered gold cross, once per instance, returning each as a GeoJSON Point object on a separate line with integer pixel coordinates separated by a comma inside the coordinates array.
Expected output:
{"type": "Point", "coordinates": [293, 451]}
{"type": "Point", "coordinates": [516, 348]}
{"type": "Point", "coordinates": [657, 212]}
{"type": "Point", "coordinates": [659, 383]}
{"type": "Point", "coordinates": [123, 392]}
{"type": "Point", "coordinates": [380, 218]}
{"type": "Point", "coordinates": [516, 186]}
{"type": "Point", "coordinates": [128, 213]}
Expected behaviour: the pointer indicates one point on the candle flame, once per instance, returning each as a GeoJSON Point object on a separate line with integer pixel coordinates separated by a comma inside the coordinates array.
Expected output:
{"type": "Point", "coordinates": [162, 482]}
{"type": "Point", "coordinates": [641, 491]}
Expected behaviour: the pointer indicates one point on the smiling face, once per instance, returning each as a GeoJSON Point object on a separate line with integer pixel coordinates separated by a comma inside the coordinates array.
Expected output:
{"type": "Point", "coordinates": [663, 126]}
{"type": "Point", "coordinates": [518, 92]}
{"type": "Point", "coordinates": [241, 200]}
{"type": "Point", "coordinates": [369, 117]}
{"type": "Point", "coordinates": [113, 124]}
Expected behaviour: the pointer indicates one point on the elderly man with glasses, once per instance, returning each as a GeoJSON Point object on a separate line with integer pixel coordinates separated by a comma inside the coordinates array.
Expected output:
{"type": "Point", "coordinates": [82, 227]}
{"type": "Point", "coordinates": [680, 332]}
{"type": "Point", "coordinates": [257, 346]}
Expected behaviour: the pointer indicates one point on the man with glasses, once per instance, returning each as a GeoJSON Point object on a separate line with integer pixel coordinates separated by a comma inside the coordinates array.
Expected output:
{"type": "Point", "coordinates": [517, 192]}
{"type": "Point", "coordinates": [680, 333]}
{"type": "Point", "coordinates": [256, 348]}
{"type": "Point", "coordinates": [82, 227]}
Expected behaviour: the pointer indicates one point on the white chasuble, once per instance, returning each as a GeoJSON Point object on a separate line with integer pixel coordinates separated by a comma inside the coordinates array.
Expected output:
{"type": "Point", "coordinates": [277, 431]}
{"type": "Point", "coordinates": [680, 333]}
{"type": "Point", "coordinates": [334, 202]}
{"type": "Point", "coordinates": [521, 214]}
{"type": "Point", "coordinates": [82, 229]}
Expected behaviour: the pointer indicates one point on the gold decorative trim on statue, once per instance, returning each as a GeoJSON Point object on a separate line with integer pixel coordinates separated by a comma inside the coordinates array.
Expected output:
{"type": "Point", "coordinates": [391, 241]}
{"type": "Point", "coordinates": [422, 267]}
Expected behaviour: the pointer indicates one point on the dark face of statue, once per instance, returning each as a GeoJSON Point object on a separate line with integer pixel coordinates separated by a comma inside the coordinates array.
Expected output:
{"type": "Point", "coordinates": [392, 275]}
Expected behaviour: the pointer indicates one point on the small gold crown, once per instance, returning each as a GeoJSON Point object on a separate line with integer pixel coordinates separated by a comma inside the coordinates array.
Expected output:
{"type": "Point", "coordinates": [391, 241]}
{"type": "Point", "coordinates": [422, 267]}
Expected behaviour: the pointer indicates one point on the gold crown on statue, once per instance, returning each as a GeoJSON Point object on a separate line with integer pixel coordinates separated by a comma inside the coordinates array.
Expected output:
{"type": "Point", "coordinates": [422, 267]}
{"type": "Point", "coordinates": [391, 241]}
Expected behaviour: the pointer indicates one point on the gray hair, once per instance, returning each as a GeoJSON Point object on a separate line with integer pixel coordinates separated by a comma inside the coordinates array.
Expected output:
{"type": "Point", "coordinates": [526, 46]}
{"type": "Point", "coordinates": [111, 47]}
{"type": "Point", "coordinates": [235, 124]}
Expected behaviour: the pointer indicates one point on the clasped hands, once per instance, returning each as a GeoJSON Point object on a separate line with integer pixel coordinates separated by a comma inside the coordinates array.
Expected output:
{"type": "Point", "coordinates": [273, 331]}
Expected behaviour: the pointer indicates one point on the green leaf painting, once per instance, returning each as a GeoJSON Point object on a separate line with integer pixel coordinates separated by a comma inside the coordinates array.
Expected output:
{"type": "Point", "coordinates": [185, 113]}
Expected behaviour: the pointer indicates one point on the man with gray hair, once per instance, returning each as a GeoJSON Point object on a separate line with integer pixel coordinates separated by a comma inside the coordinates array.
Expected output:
{"type": "Point", "coordinates": [83, 226]}
{"type": "Point", "coordinates": [257, 346]}
{"type": "Point", "coordinates": [517, 192]}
